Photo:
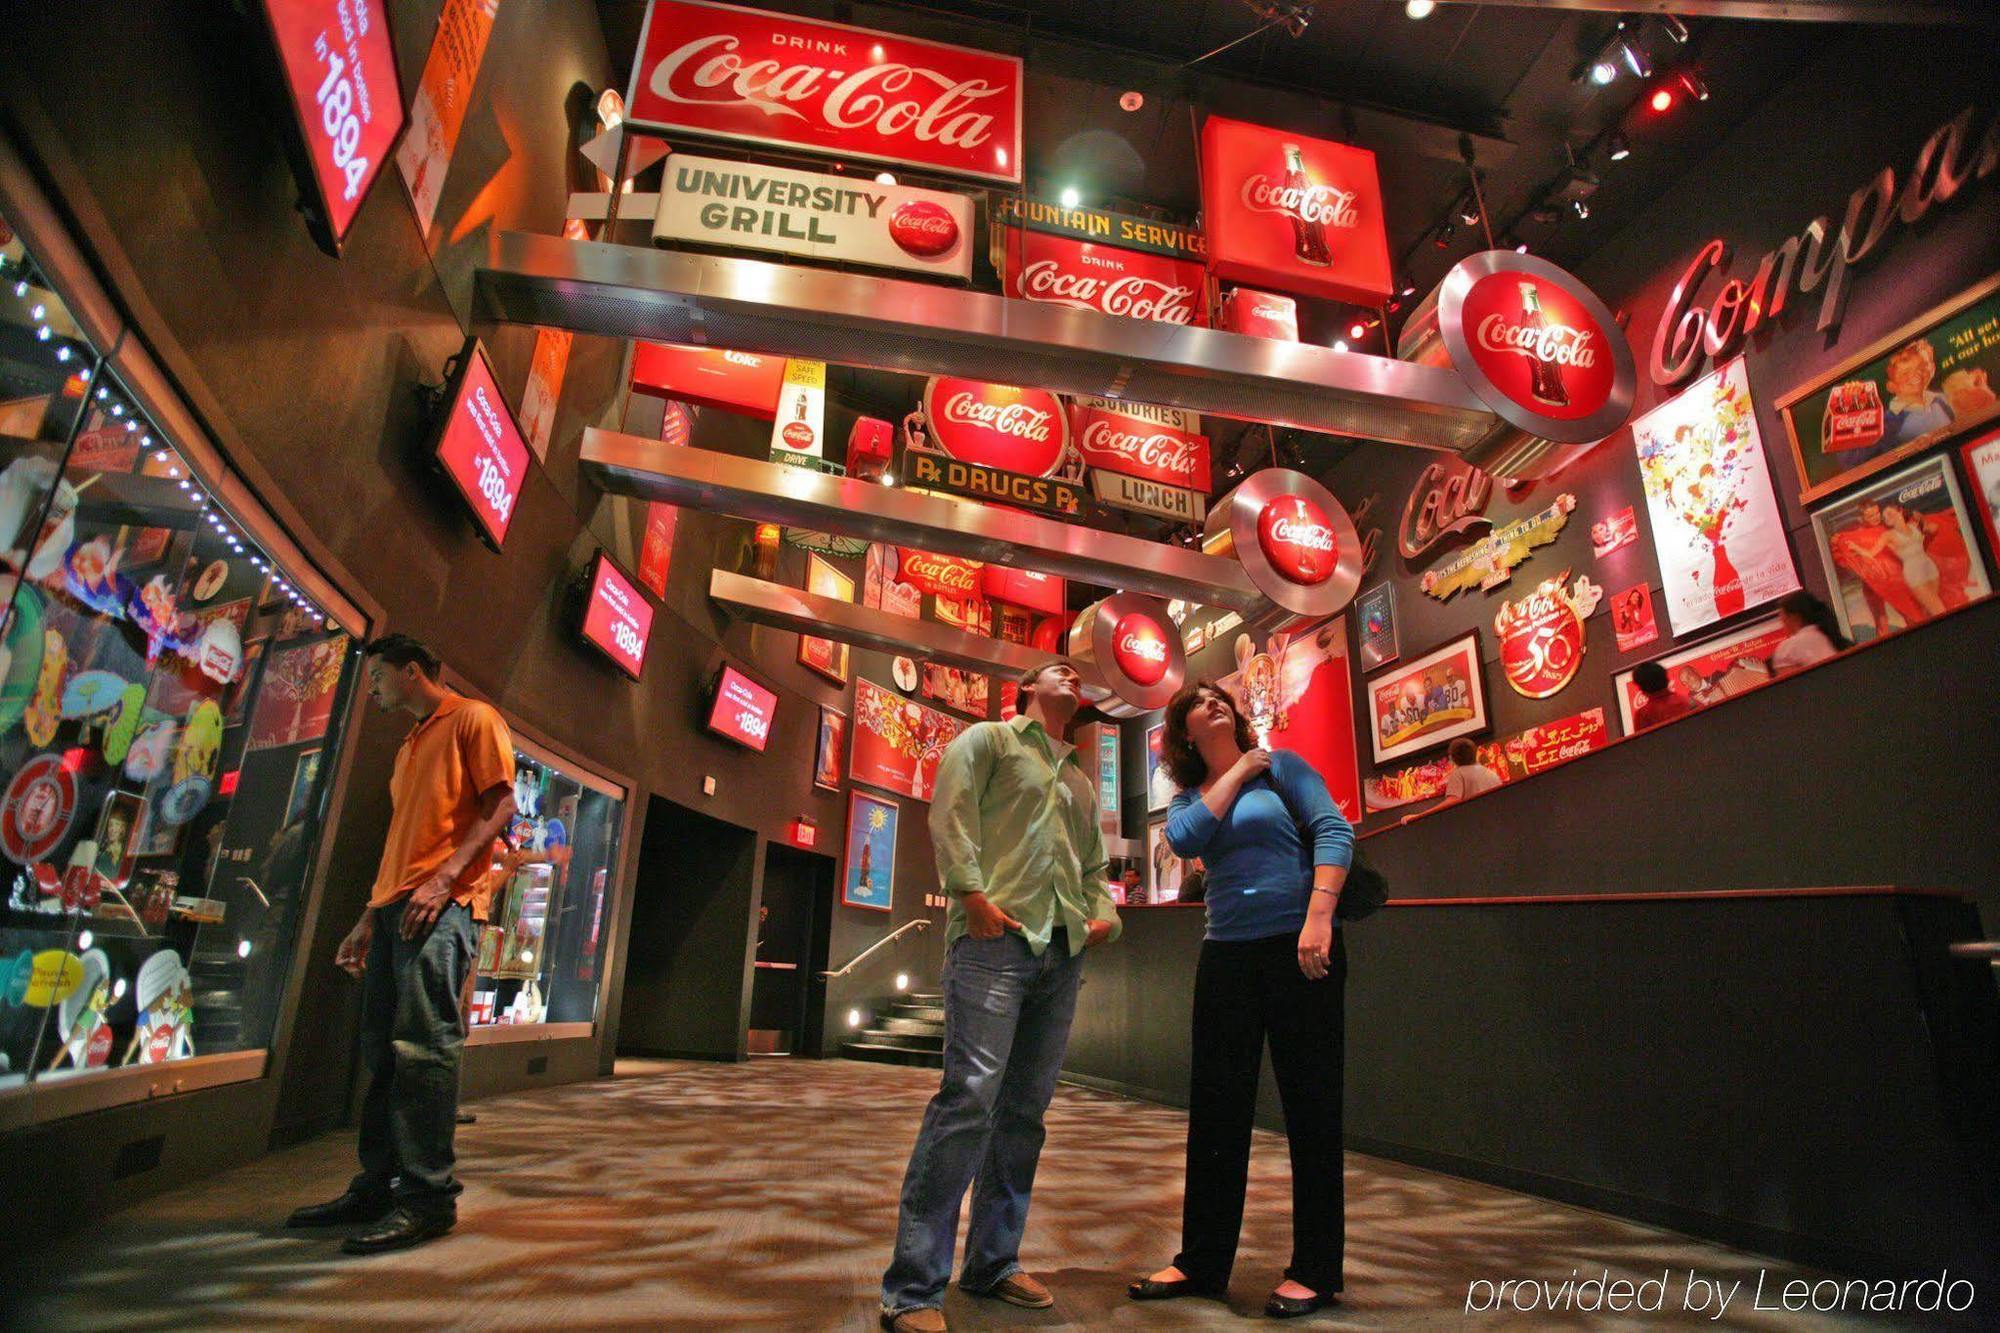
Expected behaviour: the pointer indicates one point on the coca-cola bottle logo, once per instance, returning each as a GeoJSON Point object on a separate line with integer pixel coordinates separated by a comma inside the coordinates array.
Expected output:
{"type": "Point", "coordinates": [1297, 538]}
{"type": "Point", "coordinates": [1324, 204]}
{"type": "Point", "coordinates": [924, 228]}
{"type": "Point", "coordinates": [1139, 648]}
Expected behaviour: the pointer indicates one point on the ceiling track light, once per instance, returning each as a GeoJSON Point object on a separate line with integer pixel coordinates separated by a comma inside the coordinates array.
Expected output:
{"type": "Point", "coordinates": [1674, 28]}
{"type": "Point", "coordinates": [1618, 148]}
{"type": "Point", "coordinates": [1695, 85]}
{"type": "Point", "coordinates": [1633, 52]}
{"type": "Point", "coordinates": [1580, 208]}
{"type": "Point", "coordinates": [1419, 9]}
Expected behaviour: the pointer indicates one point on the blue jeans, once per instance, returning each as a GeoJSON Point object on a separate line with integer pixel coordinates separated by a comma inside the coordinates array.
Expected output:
{"type": "Point", "coordinates": [1006, 1024]}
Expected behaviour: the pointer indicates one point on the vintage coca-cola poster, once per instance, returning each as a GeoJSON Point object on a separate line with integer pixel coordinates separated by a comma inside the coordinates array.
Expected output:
{"type": "Point", "coordinates": [1111, 281]}
{"type": "Point", "coordinates": [1256, 314]}
{"type": "Point", "coordinates": [444, 92]}
{"type": "Point", "coordinates": [1723, 667]}
{"type": "Point", "coordinates": [825, 656]}
{"type": "Point", "coordinates": [1292, 212]}
{"type": "Point", "coordinates": [656, 549]}
{"type": "Point", "coordinates": [544, 388]}
{"type": "Point", "coordinates": [939, 575]}
{"type": "Point", "coordinates": [897, 743]}
{"type": "Point", "coordinates": [1299, 696]}
{"type": "Point", "coordinates": [754, 76]}
{"type": "Point", "coordinates": [882, 587]}
{"type": "Point", "coordinates": [1632, 620]}
{"type": "Point", "coordinates": [1614, 533]}
{"type": "Point", "coordinates": [1162, 444]}
{"type": "Point", "coordinates": [1000, 425]}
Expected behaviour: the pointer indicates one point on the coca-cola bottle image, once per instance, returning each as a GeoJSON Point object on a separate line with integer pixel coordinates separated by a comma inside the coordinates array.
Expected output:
{"type": "Point", "coordinates": [1308, 234]}
{"type": "Point", "coordinates": [1545, 376]}
{"type": "Point", "coordinates": [799, 413]}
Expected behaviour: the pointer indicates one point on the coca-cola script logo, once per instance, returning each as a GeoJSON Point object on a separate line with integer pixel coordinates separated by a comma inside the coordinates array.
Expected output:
{"type": "Point", "coordinates": [924, 228]}
{"type": "Point", "coordinates": [1556, 343]}
{"type": "Point", "coordinates": [1176, 459]}
{"type": "Point", "coordinates": [1132, 296]}
{"type": "Point", "coordinates": [1308, 203]}
{"type": "Point", "coordinates": [940, 575]}
{"type": "Point", "coordinates": [1139, 647]}
{"type": "Point", "coordinates": [1113, 281]}
{"type": "Point", "coordinates": [1000, 425]}
{"type": "Point", "coordinates": [1538, 345]}
{"type": "Point", "coordinates": [1297, 538]}
{"type": "Point", "coordinates": [1541, 636]}
{"type": "Point", "coordinates": [798, 435]}
{"type": "Point", "coordinates": [772, 78]}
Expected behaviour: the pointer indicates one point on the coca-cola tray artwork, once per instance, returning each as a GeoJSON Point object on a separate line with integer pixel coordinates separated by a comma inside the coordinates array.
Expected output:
{"type": "Point", "coordinates": [1935, 378]}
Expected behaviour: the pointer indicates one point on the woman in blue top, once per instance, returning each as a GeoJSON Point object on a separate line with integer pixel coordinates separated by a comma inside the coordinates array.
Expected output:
{"type": "Point", "coordinates": [1272, 965]}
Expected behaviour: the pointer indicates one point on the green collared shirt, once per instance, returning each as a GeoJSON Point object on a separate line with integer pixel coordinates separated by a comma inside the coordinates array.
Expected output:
{"type": "Point", "coordinates": [1014, 817]}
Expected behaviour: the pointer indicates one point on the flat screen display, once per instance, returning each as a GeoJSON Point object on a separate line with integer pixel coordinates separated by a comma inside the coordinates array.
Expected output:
{"type": "Point", "coordinates": [339, 65]}
{"type": "Point", "coordinates": [742, 710]}
{"type": "Point", "coordinates": [617, 618]}
{"type": "Point", "coordinates": [480, 445]}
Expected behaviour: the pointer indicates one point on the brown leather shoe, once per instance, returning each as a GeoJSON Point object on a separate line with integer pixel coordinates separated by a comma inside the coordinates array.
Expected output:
{"type": "Point", "coordinates": [1022, 1290]}
{"type": "Point", "coordinates": [915, 1321]}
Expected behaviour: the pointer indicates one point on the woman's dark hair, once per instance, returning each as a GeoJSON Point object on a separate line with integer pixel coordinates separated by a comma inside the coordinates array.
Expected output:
{"type": "Point", "coordinates": [1463, 751]}
{"type": "Point", "coordinates": [1816, 613]}
{"type": "Point", "coordinates": [399, 650]}
{"type": "Point", "coordinates": [1650, 677]}
{"type": "Point", "coordinates": [1184, 763]}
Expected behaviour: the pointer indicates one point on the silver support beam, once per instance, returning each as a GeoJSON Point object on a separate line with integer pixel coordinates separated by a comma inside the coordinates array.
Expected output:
{"type": "Point", "coordinates": [1965, 13]}
{"type": "Point", "coordinates": [797, 497]}
{"type": "Point", "coordinates": [862, 320]}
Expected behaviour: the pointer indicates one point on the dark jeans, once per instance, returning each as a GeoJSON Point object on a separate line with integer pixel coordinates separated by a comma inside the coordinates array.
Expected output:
{"type": "Point", "coordinates": [1244, 992]}
{"type": "Point", "coordinates": [411, 1036]}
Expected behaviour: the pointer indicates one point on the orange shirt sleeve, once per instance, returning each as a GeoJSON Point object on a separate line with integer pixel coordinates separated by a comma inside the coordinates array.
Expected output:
{"type": "Point", "coordinates": [488, 748]}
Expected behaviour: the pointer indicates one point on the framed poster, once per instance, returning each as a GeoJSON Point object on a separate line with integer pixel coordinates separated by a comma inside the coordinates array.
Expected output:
{"type": "Point", "coordinates": [825, 656]}
{"type": "Point", "coordinates": [1717, 529]}
{"type": "Point", "coordinates": [826, 754]}
{"type": "Point", "coordinates": [1899, 551]}
{"type": "Point", "coordinates": [295, 697]}
{"type": "Point", "coordinates": [1159, 786]}
{"type": "Point", "coordinates": [1632, 617]}
{"type": "Point", "coordinates": [1921, 385]}
{"type": "Point", "coordinates": [304, 773]}
{"type": "Point", "coordinates": [1709, 672]}
{"type": "Point", "coordinates": [1298, 695]}
{"type": "Point", "coordinates": [1375, 619]}
{"type": "Point", "coordinates": [1168, 869]}
{"type": "Point", "coordinates": [868, 875]}
{"type": "Point", "coordinates": [897, 742]}
{"type": "Point", "coordinates": [1433, 699]}
{"type": "Point", "coordinates": [1982, 470]}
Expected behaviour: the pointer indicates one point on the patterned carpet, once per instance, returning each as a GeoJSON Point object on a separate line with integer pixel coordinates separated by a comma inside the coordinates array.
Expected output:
{"type": "Point", "coordinates": [763, 1195]}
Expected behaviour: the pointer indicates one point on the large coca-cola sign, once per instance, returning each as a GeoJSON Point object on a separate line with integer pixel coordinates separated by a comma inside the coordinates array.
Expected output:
{"type": "Point", "coordinates": [1292, 212]}
{"type": "Point", "coordinates": [759, 77]}
{"type": "Point", "coordinates": [1000, 425]}
{"type": "Point", "coordinates": [1157, 443]}
{"type": "Point", "coordinates": [1128, 644]}
{"type": "Point", "coordinates": [1130, 283]}
{"type": "Point", "coordinates": [1447, 498]}
{"type": "Point", "coordinates": [940, 575]}
{"type": "Point", "coordinates": [1297, 538]}
{"type": "Point", "coordinates": [1139, 646]}
{"type": "Point", "coordinates": [1538, 344]}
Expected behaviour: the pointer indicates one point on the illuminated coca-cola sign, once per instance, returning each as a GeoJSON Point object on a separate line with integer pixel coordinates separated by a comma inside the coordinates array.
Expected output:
{"type": "Point", "coordinates": [1292, 537]}
{"type": "Point", "coordinates": [1000, 425]}
{"type": "Point", "coordinates": [1820, 256]}
{"type": "Point", "coordinates": [1448, 498]}
{"type": "Point", "coordinates": [1541, 635]}
{"type": "Point", "coordinates": [1293, 212]}
{"type": "Point", "coordinates": [1139, 646]}
{"type": "Point", "coordinates": [1160, 444]}
{"type": "Point", "coordinates": [1297, 538]}
{"type": "Point", "coordinates": [760, 77]}
{"type": "Point", "coordinates": [1131, 283]}
{"type": "Point", "coordinates": [1128, 644]}
{"type": "Point", "coordinates": [940, 575]}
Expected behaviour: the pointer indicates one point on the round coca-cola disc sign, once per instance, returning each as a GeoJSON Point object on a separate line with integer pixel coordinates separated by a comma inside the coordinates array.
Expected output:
{"type": "Point", "coordinates": [1140, 648]}
{"type": "Point", "coordinates": [1297, 538]}
{"type": "Point", "coordinates": [1000, 425]}
{"type": "Point", "coordinates": [923, 228]}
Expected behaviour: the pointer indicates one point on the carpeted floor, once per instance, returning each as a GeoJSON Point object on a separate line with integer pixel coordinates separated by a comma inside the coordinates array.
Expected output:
{"type": "Point", "coordinates": [763, 1195]}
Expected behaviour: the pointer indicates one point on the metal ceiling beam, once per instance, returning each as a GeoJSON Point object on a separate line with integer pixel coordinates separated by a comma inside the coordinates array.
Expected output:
{"type": "Point", "coordinates": [797, 497]}
{"type": "Point", "coordinates": [862, 320]}
{"type": "Point", "coordinates": [1966, 13]}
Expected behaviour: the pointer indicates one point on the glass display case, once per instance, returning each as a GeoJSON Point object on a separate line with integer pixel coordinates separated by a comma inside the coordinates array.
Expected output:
{"type": "Point", "coordinates": [167, 697]}
{"type": "Point", "coordinates": [542, 908]}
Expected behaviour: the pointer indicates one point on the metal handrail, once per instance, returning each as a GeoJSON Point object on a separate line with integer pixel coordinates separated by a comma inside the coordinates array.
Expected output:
{"type": "Point", "coordinates": [890, 938]}
{"type": "Point", "coordinates": [1987, 949]}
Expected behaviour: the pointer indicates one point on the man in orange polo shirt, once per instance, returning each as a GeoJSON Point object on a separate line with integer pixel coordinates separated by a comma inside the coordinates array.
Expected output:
{"type": "Point", "coordinates": [452, 792]}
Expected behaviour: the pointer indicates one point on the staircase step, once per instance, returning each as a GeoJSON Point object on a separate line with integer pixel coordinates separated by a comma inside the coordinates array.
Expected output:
{"type": "Point", "coordinates": [891, 1055]}
{"type": "Point", "coordinates": [929, 1013]}
{"type": "Point", "coordinates": [917, 1026]}
{"type": "Point", "coordinates": [935, 999]}
{"type": "Point", "coordinates": [912, 1041]}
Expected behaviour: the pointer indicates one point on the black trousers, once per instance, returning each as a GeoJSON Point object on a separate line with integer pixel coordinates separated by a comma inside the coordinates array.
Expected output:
{"type": "Point", "coordinates": [1243, 993]}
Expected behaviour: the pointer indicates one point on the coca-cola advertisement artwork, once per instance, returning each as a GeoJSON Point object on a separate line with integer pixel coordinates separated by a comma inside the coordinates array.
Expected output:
{"type": "Point", "coordinates": [1111, 281]}
{"type": "Point", "coordinates": [1300, 697]}
{"type": "Point", "coordinates": [1536, 343]}
{"type": "Point", "coordinates": [897, 743]}
{"type": "Point", "coordinates": [723, 378]}
{"type": "Point", "coordinates": [1162, 444]}
{"type": "Point", "coordinates": [754, 76]}
{"type": "Point", "coordinates": [939, 575]}
{"type": "Point", "coordinates": [1721, 668]}
{"type": "Point", "coordinates": [1256, 314]}
{"type": "Point", "coordinates": [1900, 551]}
{"type": "Point", "coordinates": [1297, 538]}
{"type": "Point", "coordinates": [1000, 425]}
{"type": "Point", "coordinates": [882, 587]}
{"type": "Point", "coordinates": [1524, 754]}
{"type": "Point", "coordinates": [1292, 212]}
{"type": "Point", "coordinates": [1433, 699]}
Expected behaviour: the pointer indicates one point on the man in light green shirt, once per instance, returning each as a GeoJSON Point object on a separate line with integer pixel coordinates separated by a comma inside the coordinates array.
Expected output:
{"type": "Point", "coordinates": [1014, 825]}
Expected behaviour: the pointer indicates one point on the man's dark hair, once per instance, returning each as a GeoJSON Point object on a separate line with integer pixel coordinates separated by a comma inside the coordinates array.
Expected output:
{"type": "Point", "coordinates": [1463, 751]}
{"type": "Point", "coordinates": [1650, 677]}
{"type": "Point", "coordinates": [399, 650]}
{"type": "Point", "coordinates": [1033, 674]}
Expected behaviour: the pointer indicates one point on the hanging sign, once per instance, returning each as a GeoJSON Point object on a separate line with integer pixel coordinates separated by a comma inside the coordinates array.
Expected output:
{"type": "Point", "coordinates": [1175, 240]}
{"type": "Point", "coordinates": [1541, 635]}
{"type": "Point", "coordinates": [799, 429]}
{"type": "Point", "coordinates": [1135, 649]}
{"type": "Point", "coordinates": [927, 470]}
{"type": "Point", "coordinates": [733, 381]}
{"type": "Point", "coordinates": [1490, 561]}
{"type": "Point", "coordinates": [1293, 212]}
{"type": "Point", "coordinates": [940, 575]}
{"type": "Point", "coordinates": [1029, 589]}
{"type": "Point", "coordinates": [37, 810]}
{"type": "Point", "coordinates": [1000, 425]}
{"type": "Point", "coordinates": [444, 91]}
{"type": "Point", "coordinates": [1162, 444]}
{"type": "Point", "coordinates": [844, 219]}
{"type": "Point", "coordinates": [754, 76]}
{"type": "Point", "coordinates": [1148, 497]}
{"type": "Point", "coordinates": [1292, 537]}
{"type": "Point", "coordinates": [1447, 499]}
{"type": "Point", "coordinates": [1111, 281]}
{"type": "Point", "coordinates": [544, 390]}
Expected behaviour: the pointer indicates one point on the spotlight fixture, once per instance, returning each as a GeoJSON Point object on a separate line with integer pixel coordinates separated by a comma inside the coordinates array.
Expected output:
{"type": "Point", "coordinates": [1419, 9]}
{"type": "Point", "coordinates": [1581, 209]}
{"type": "Point", "coordinates": [1340, 344]}
{"type": "Point", "coordinates": [1409, 288]}
{"type": "Point", "coordinates": [1674, 28]}
{"type": "Point", "coordinates": [1662, 100]}
{"type": "Point", "coordinates": [1696, 86]}
{"type": "Point", "coordinates": [885, 178]}
{"type": "Point", "coordinates": [1468, 212]}
{"type": "Point", "coordinates": [1634, 55]}
{"type": "Point", "coordinates": [1444, 234]}
{"type": "Point", "coordinates": [1131, 101]}
{"type": "Point", "coordinates": [1357, 330]}
{"type": "Point", "coordinates": [1520, 247]}
{"type": "Point", "coordinates": [1069, 196]}
{"type": "Point", "coordinates": [1618, 148]}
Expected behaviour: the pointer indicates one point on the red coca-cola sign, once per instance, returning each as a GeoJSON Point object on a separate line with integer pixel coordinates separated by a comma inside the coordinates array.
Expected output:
{"type": "Point", "coordinates": [1139, 646]}
{"type": "Point", "coordinates": [759, 77]}
{"type": "Point", "coordinates": [1297, 538]}
{"type": "Point", "coordinates": [940, 575]}
{"type": "Point", "coordinates": [1256, 314]}
{"type": "Point", "coordinates": [724, 378]}
{"type": "Point", "coordinates": [1293, 212]}
{"type": "Point", "coordinates": [1028, 589]}
{"type": "Point", "coordinates": [1541, 636]}
{"type": "Point", "coordinates": [1140, 440]}
{"type": "Point", "coordinates": [1104, 278]}
{"type": "Point", "coordinates": [923, 228]}
{"type": "Point", "coordinates": [1000, 425]}
{"type": "Point", "coordinates": [1538, 345]}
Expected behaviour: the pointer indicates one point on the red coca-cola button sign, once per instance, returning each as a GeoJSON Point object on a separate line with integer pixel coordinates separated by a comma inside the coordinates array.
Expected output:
{"type": "Point", "coordinates": [1000, 425]}
{"type": "Point", "coordinates": [923, 228]}
{"type": "Point", "coordinates": [1297, 538]}
{"type": "Point", "coordinates": [39, 805]}
{"type": "Point", "coordinates": [1139, 646]}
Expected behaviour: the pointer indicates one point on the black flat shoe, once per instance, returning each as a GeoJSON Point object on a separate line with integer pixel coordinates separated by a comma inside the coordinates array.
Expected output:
{"type": "Point", "coordinates": [1146, 1289]}
{"type": "Point", "coordinates": [1291, 1307]}
{"type": "Point", "coordinates": [399, 1231]}
{"type": "Point", "coordinates": [350, 1209]}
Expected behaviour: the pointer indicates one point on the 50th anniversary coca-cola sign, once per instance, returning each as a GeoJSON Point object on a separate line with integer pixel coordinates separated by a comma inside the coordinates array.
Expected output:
{"type": "Point", "coordinates": [1000, 425]}
{"type": "Point", "coordinates": [754, 76]}
{"type": "Point", "coordinates": [1131, 283]}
